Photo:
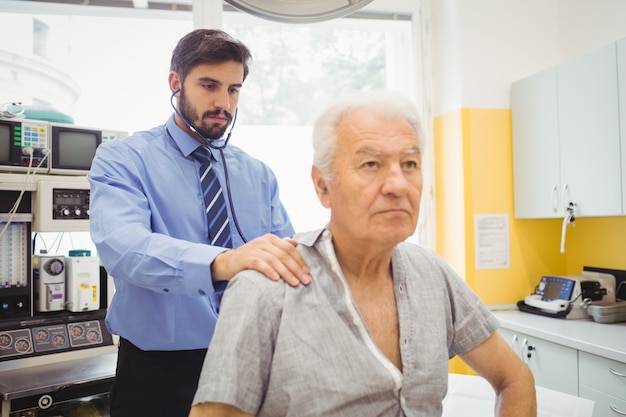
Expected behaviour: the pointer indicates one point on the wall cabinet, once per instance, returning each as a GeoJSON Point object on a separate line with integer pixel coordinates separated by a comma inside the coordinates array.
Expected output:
{"type": "Point", "coordinates": [536, 160]}
{"type": "Point", "coordinates": [554, 366]}
{"type": "Point", "coordinates": [566, 139]}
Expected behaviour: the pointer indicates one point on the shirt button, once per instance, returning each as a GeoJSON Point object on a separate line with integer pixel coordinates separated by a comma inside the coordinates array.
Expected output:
{"type": "Point", "coordinates": [401, 288]}
{"type": "Point", "coordinates": [201, 292]}
{"type": "Point", "coordinates": [406, 341]}
{"type": "Point", "coordinates": [166, 290]}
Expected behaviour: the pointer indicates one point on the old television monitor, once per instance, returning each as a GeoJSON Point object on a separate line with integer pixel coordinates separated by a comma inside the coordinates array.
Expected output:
{"type": "Point", "coordinates": [73, 147]}
{"type": "Point", "coordinates": [24, 145]}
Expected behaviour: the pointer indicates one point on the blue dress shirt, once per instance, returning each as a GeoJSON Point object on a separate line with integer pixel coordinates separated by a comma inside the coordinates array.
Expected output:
{"type": "Point", "coordinates": [148, 224]}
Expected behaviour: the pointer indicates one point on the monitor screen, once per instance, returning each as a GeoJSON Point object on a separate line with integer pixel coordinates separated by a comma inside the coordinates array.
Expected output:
{"type": "Point", "coordinates": [553, 290]}
{"type": "Point", "coordinates": [5, 143]}
{"type": "Point", "coordinates": [75, 149]}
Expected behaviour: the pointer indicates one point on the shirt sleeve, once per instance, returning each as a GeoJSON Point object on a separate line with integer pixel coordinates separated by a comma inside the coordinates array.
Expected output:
{"type": "Point", "coordinates": [243, 344]}
{"type": "Point", "coordinates": [120, 224]}
{"type": "Point", "coordinates": [473, 322]}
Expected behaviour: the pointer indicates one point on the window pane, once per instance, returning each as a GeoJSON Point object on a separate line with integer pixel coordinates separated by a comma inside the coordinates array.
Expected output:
{"type": "Point", "coordinates": [100, 71]}
{"type": "Point", "coordinates": [300, 68]}
{"type": "Point", "coordinates": [297, 70]}
{"type": "Point", "coordinates": [111, 71]}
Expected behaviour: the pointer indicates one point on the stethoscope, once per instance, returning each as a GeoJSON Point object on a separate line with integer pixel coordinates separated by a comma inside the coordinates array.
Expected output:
{"type": "Point", "coordinates": [220, 148]}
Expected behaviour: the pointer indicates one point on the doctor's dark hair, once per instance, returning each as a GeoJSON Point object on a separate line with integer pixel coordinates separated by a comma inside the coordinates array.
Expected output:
{"type": "Point", "coordinates": [208, 46]}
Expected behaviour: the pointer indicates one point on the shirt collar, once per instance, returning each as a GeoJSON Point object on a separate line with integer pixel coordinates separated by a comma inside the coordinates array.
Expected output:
{"type": "Point", "coordinates": [322, 239]}
{"type": "Point", "coordinates": [312, 237]}
{"type": "Point", "coordinates": [185, 142]}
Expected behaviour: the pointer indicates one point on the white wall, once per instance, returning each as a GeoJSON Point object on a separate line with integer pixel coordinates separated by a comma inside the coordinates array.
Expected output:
{"type": "Point", "coordinates": [482, 46]}
{"type": "Point", "coordinates": [588, 24]}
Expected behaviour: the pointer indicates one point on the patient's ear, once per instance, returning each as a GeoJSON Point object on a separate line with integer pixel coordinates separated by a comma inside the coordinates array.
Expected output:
{"type": "Point", "coordinates": [321, 187]}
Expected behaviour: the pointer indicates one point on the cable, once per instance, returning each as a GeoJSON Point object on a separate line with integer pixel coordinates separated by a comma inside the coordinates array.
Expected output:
{"type": "Point", "coordinates": [12, 109]}
{"type": "Point", "coordinates": [569, 218]}
{"type": "Point", "coordinates": [230, 198]}
{"type": "Point", "coordinates": [209, 142]}
{"type": "Point", "coordinates": [16, 205]}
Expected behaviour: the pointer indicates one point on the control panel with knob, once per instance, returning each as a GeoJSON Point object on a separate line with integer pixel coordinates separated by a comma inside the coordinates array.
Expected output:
{"type": "Point", "coordinates": [70, 204]}
{"type": "Point", "coordinates": [61, 206]}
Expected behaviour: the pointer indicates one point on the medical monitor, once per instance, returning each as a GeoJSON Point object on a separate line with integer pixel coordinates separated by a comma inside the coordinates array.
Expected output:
{"type": "Point", "coordinates": [23, 145]}
{"type": "Point", "coordinates": [73, 147]}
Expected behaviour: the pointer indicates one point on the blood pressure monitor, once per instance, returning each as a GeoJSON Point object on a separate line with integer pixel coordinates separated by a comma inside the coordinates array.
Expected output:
{"type": "Point", "coordinates": [556, 288]}
{"type": "Point", "coordinates": [554, 293]}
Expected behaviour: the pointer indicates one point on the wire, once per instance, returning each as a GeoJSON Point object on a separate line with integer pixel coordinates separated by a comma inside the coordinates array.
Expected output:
{"type": "Point", "coordinates": [12, 109]}
{"type": "Point", "coordinates": [230, 198]}
{"type": "Point", "coordinates": [17, 203]}
{"type": "Point", "coordinates": [220, 148]}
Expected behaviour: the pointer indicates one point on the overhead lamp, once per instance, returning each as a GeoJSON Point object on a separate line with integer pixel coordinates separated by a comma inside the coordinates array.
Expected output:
{"type": "Point", "coordinates": [298, 11]}
{"type": "Point", "coordinates": [140, 4]}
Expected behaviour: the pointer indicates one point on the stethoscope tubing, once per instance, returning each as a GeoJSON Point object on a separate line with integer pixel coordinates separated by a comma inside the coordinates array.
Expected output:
{"type": "Point", "coordinates": [219, 148]}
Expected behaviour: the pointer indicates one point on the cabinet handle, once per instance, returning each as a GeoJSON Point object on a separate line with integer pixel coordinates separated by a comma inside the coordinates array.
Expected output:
{"type": "Point", "coordinates": [565, 198]}
{"type": "Point", "coordinates": [617, 373]}
{"type": "Point", "coordinates": [527, 351]}
{"type": "Point", "coordinates": [615, 410]}
{"type": "Point", "coordinates": [555, 199]}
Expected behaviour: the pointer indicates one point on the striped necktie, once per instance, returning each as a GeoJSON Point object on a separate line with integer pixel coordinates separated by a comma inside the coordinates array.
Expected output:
{"type": "Point", "coordinates": [214, 202]}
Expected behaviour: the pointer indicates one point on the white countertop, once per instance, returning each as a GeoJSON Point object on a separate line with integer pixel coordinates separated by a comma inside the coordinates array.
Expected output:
{"type": "Point", "coordinates": [606, 340]}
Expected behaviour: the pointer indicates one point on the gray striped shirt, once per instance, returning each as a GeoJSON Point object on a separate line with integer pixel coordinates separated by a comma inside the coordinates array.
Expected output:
{"type": "Point", "coordinates": [306, 351]}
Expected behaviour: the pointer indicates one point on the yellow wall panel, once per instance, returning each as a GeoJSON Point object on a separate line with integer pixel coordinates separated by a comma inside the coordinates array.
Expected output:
{"type": "Point", "coordinates": [596, 241]}
{"type": "Point", "coordinates": [484, 154]}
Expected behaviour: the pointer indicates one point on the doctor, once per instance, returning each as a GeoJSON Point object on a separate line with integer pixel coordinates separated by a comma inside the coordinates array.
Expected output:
{"type": "Point", "coordinates": [150, 227]}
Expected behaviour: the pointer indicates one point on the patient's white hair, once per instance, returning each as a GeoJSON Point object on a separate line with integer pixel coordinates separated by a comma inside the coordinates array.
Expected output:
{"type": "Point", "coordinates": [383, 102]}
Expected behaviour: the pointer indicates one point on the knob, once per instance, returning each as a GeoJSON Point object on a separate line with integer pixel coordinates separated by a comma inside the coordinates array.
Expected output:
{"type": "Point", "coordinates": [66, 212]}
{"type": "Point", "coordinates": [77, 212]}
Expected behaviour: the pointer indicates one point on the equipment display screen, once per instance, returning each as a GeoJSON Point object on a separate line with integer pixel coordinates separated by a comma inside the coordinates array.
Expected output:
{"type": "Point", "coordinates": [76, 149]}
{"type": "Point", "coordinates": [5, 143]}
{"type": "Point", "coordinates": [553, 290]}
{"type": "Point", "coordinates": [556, 288]}
{"type": "Point", "coordinates": [68, 201]}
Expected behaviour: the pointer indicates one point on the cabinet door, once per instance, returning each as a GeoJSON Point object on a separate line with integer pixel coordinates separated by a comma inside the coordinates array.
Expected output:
{"type": "Point", "coordinates": [589, 133]}
{"type": "Point", "coordinates": [534, 118]}
{"type": "Point", "coordinates": [513, 339]}
{"type": "Point", "coordinates": [604, 405]}
{"type": "Point", "coordinates": [621, 81]}
{"type": "Point", "coordinates": [553, 366]}
{"type": "Point", "coordinates": [603, 381]}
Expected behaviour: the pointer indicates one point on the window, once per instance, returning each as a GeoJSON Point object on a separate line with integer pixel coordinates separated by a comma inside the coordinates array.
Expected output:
{"type": "Point", "coordinates": [108, 67]}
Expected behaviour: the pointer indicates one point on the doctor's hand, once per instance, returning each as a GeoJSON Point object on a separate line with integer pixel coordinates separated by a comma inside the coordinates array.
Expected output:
{"type": "Point", "coordinates": [269, 254]}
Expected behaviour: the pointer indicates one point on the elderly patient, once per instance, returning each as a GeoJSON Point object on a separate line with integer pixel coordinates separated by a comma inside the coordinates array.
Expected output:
{"type": "Point", "coordinates": [374, 331]}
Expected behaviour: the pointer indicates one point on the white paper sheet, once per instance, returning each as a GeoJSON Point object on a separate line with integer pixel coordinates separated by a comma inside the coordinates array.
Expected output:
{"type": "Point", "coordinates": [472, 396]}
